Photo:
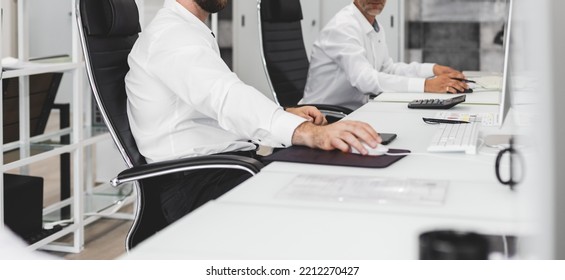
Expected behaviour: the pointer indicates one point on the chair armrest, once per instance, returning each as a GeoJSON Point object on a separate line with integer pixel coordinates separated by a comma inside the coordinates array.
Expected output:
{"type": "Point", "coordinates": [334, 108]}
{"type": "Point", "coordinates": [374, 95]}
{"type": "Point", "coordinates": [149, 170]}
{"type": "Point", "coordinates": [335, 111]}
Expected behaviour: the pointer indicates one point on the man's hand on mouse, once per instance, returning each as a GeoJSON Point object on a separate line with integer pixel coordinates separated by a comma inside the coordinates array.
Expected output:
{"type": "Point", "coordinates": [446, 83]}
{"type": "Point", "coordinates": [342, 135]}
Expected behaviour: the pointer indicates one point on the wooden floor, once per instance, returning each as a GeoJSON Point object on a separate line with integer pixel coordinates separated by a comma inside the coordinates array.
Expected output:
{"type": "Point", "coordinates": [104, 240]}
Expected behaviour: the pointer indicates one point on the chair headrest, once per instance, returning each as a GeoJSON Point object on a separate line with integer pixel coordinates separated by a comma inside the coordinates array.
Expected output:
{"type": "Point", "coordinates": [110, 17]}
{"type": "Point", "coordinates": [281, 10]}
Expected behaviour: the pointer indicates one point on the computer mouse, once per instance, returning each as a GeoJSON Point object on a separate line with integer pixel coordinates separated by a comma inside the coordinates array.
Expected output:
{"type": "Point", "coordinates": [378, 151]}
{"type": "Point", "coordinates": [470, 85]}
{"type": "Point", "coordinates": [468, 90]}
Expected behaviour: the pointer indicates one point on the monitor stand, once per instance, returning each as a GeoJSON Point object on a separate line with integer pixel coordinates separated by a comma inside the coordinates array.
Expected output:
{"type": "Point", "coordinates": [500, 141]}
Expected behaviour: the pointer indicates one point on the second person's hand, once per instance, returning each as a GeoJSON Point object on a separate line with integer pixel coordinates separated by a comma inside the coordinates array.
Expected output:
{"type": "Point", "coordinates": [445, 84]}
{"type": "Point", "coordinates": [444, 70]}
{"type": "Point", "coordinates": [311, 113]}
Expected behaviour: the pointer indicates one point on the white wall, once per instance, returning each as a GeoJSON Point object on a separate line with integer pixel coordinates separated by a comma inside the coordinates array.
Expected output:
{"type": "Point", "coordinates": [9, 28]}
{"type": "Point", "coordinates": [50, 34]}
{"type": "Point", "coordinates": [50, 27]}
{"type": "Point", "coordinates": [330, 7]}
{"type": "Point", "coordinates": [392, 20]}
{"type": "Point", "coordinates": [150, 8]}
{"type": "Point", "coordinates": [311, 22]}
{"type": "Point", "coordinates": [247, 62]}
{"type": "Point", "coordinates": [559, 115]}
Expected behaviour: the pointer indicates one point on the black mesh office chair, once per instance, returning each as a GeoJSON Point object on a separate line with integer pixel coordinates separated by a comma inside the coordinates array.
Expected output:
{"type": "Point", "coordinates": [284, 55]}
{"type": "Point", "coordinates": [108, 30]}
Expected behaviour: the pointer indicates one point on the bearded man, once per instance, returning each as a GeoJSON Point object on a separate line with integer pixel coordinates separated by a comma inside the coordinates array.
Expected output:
{"type": "Point", "coordinates": [184, 101]}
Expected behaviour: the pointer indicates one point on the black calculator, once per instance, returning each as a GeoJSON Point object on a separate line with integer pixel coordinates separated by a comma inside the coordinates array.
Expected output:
{"type": "Point", "coordinates": [436, 103]}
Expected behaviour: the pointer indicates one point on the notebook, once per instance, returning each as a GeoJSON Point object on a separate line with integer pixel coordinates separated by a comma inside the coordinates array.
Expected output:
{"type": "Point", "coordinates": [307, 155]}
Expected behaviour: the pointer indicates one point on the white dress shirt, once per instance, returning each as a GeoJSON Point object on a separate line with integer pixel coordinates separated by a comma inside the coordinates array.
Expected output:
{"type": "Point", "coordinates": [184, 101]}
{"type": "Point", "coordinates": [350, 59]}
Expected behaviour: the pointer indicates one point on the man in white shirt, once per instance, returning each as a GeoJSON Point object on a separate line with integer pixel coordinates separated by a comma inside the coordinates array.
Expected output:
{"type": "Point", "coordinates": [350, 60]}
{"type": "Point", "coordinates": [184, 101]}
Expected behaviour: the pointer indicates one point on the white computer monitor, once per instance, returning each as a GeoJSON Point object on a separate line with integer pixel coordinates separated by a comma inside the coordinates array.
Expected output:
{"type": "Point", "coordinates": [502, 140]}
{"type": "Point", "coordinates": [505, 92]}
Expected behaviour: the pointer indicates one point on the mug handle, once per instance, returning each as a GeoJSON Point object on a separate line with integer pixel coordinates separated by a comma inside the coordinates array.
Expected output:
{"type": "Point", "coordinates": [497, 167]}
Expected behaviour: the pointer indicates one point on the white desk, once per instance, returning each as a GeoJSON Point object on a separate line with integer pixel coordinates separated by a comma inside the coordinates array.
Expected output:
{"type": "Point", "coordinates": [253, 222]}
{"type": "Point", "coordinates": [415, 135]}
{"type": "Point", "coordinates": [240, 231]}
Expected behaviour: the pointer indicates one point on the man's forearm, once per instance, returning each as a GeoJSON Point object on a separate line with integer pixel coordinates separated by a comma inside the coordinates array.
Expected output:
{"type": "Point", "coordinates": [304, 134]}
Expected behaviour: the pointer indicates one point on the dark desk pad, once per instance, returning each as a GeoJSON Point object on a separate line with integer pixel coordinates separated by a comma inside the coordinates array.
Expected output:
{"type": "Point", "coordinates": [306, 155]}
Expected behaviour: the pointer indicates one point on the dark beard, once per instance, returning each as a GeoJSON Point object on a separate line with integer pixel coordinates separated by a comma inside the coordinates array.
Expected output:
{"type": "Point", "coordinates": [211, 6]}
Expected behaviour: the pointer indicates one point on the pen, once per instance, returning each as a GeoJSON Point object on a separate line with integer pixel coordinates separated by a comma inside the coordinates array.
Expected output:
{"type": "Point", "coordinates": [432, 120]}
{"type": "Point", "coordinates": [465, 80]}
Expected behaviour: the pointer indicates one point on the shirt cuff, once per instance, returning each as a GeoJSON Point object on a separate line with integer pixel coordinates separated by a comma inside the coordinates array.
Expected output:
{"type": "Point", "coordinates": [427, 70]}
{"type": "Point", "coordinates": [283, 126]}
{"type": "Point", "coordinates": [416, 84]}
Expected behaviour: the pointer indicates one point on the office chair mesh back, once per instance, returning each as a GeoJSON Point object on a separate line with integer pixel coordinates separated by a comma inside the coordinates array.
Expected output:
{"type": "Point", "coordinates": [109, 28]}
{"type": "Point", "coordinates": [283, 49]}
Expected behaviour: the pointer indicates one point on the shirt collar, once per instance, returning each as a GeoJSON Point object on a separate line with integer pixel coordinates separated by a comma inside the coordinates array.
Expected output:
{"type": "Point", "coordinates": [185, 14]}
{"type": "Point", "coordinates": [376, 26]}
{"type": "Point", "coordinates": [364, 23]}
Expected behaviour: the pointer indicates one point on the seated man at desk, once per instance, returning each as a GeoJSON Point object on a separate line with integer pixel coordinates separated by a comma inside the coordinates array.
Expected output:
{"type": "Point", "coordinates": [184, 101]}
{"type": "Point", "coordinates": [350, 61]}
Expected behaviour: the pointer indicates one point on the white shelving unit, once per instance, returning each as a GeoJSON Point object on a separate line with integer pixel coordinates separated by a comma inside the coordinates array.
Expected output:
{"type": "Point", "coordinates": [88, 203]}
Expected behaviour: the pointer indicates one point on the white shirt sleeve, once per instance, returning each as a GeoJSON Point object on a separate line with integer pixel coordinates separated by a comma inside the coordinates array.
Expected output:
{"type": "Point", "coordinates": [209, 86]}
{"type": "Point", "coordinates": [414, 69]}
{"type": "Point", "coordinates": [415, 74]}
{"type": "Point", "coordinates": [348, 52]}
{"type": "Point", "coordinates": [346, 48]}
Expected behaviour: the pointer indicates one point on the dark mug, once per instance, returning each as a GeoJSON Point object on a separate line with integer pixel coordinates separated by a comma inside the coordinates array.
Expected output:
{"type": "Point", "coordinates": [511, 182]}
{"type": "Point", "coordinates": [453, 245]}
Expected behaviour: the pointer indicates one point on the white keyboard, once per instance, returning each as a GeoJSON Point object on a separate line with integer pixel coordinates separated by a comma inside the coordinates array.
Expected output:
{"type": "Point", "coordinates": [456, 137]}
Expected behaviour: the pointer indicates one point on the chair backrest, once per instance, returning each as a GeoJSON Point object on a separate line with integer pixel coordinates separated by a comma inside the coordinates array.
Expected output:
{"type": "Point", "coordinates": [109, 28]}
{"type": "Point", "coordinates": [108, 31]}
{"type": "Point", "coordinates": [42, 92]}
{"type": "Point", "coordinates": [283, 51]}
